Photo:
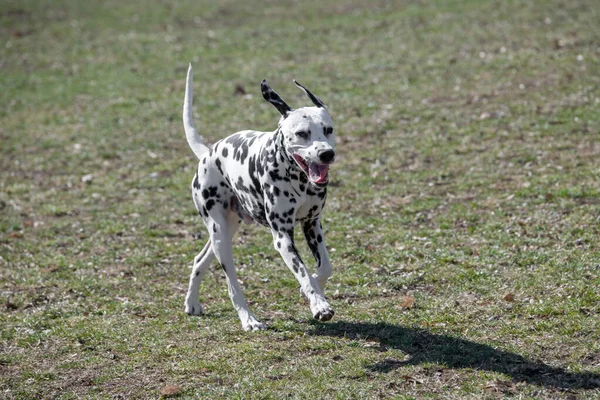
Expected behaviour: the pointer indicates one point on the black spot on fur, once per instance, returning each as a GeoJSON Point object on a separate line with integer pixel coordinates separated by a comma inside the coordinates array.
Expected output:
{"type": "Point", "coordinates": [295, 264]}
{"type": "Point", "coordinates": [195, 183]}
{"type": "Point", "coordinates": [309, 234]}
{"type": "Point", "coordinates": [255, 186]}
{"type": "Point", "coordinates": [274, 174]}
{"type": "Point", "coordinates": [270, 197]}
{"type": "Point", "coordinates": [209, 204]}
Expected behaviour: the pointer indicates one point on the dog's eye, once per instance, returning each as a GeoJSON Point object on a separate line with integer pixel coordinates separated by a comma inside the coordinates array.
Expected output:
{"type": "Point", "coordinates": [303, 134]}
{"type": "Point", "coordinates": [328, 130]}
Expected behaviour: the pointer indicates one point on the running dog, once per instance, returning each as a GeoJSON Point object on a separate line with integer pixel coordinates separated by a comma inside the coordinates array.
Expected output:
{"type": "Point", "coordinates": [277, 179]}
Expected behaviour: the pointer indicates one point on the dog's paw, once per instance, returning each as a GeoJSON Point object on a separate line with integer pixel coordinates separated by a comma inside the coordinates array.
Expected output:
{"type": "Point", "coordinates": [324, 314]}
{"type": "Point", "coordinates": [253, 325]}
{"type": "Point", "coordinates": [321, 309]}
{"type": "Point", "coordinates": [193, 308]}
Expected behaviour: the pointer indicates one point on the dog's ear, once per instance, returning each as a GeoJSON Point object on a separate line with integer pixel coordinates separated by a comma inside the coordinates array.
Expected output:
{"type": "Point", "coordinates": [317, 102]}
{"type": "Point", "coordinates": [272, 97]}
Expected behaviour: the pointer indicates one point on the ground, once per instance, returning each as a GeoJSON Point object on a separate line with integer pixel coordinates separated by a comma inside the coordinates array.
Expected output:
{"type": "Point", "coordinates": [462, 220]}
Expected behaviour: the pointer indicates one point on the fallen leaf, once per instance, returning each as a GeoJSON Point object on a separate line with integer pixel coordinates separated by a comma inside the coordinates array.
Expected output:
{"type": "Point", "coordinates": [170, 390]}
{"type": "Point", "coordinates": [51, 268]}
{"type": "Point", "coordinates": [407, 302]}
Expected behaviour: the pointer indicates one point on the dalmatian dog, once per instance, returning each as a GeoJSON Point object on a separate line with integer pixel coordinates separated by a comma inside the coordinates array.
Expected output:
{"type": "Point", "coordinates": [277, 179]}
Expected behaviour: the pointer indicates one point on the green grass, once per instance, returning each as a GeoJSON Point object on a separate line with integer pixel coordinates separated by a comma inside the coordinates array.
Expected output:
{"type": "Point", "coordinates": [468, 170]}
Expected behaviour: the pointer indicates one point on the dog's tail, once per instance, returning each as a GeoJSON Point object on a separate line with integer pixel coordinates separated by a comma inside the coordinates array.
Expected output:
{"type": "Point", "coordinates": [193, 138]}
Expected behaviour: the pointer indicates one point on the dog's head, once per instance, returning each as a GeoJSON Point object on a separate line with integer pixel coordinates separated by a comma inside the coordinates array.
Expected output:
{"type": "Point", "coordinates": [307, 132]}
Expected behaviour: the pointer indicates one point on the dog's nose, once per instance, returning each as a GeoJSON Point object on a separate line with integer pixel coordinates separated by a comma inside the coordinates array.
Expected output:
{"type": "Point", "coordinates": [327, 156]}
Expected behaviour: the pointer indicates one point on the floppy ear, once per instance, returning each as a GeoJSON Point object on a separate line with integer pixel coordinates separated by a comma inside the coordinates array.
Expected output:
{"type": "Point", "coordinates": [314, 98]}
{"type": "Point", "coordinates": [272, 97]}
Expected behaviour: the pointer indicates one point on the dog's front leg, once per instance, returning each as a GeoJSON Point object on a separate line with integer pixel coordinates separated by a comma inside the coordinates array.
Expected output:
{"type": "Point", "coordinates": [283, 238]}
{"type": "Point", "coordinates": [313, 232]}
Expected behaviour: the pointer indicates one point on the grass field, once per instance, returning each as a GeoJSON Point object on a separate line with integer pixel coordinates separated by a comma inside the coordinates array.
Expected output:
{"type": "Point", "coordinates": [462, 220]}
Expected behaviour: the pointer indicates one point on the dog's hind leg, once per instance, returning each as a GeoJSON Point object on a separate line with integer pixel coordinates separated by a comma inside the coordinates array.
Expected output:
{"type": "Point", "coordinates": [201, 263]}
{"type": "Point", "coordinates": [221, 233]}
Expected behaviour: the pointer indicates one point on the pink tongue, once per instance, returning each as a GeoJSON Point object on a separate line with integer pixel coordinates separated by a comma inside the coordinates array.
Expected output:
{"type": "Point", "coordinates": [318, 172]}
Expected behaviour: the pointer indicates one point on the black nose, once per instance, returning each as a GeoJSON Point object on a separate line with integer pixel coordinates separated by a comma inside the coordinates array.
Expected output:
{"type": "Point", "coordinates": [327, 156]}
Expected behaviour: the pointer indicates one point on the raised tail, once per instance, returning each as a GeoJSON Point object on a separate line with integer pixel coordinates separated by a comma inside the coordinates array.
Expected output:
{"type": "Point", "coordinates": [193, 138]}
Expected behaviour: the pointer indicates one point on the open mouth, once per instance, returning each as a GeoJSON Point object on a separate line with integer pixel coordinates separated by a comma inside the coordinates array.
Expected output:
{"type": "Point", "coordinates": [316, 173]}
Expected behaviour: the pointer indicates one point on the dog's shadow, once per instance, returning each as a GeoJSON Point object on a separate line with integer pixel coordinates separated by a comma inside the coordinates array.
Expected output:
{"type": "Point", "coordinates": [451, 352]}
